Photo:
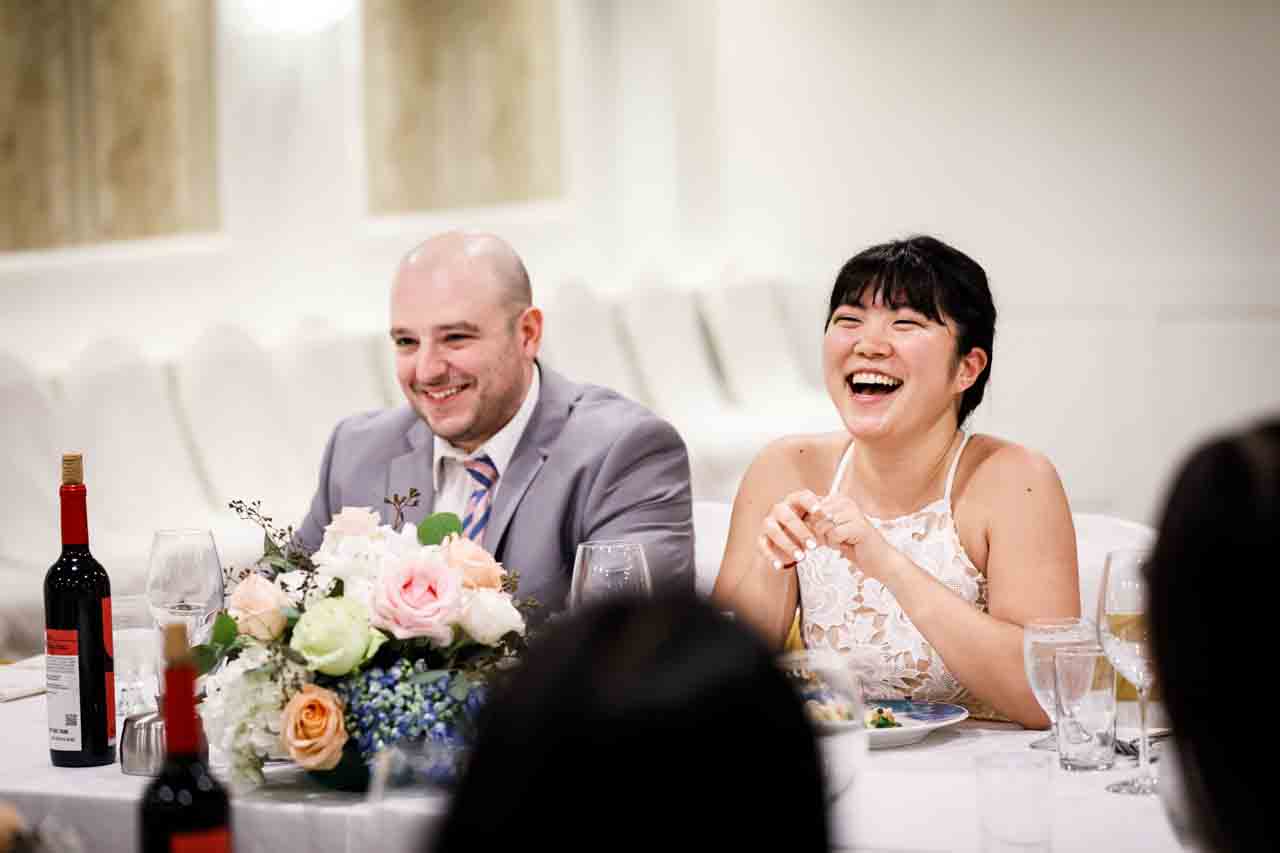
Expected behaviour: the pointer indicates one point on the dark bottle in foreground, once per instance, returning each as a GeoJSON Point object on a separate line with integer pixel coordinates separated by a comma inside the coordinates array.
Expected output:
{"type": "Point", "coordinates": [79, 670]}
{"type": "Point", "coordinates": [184, 809]}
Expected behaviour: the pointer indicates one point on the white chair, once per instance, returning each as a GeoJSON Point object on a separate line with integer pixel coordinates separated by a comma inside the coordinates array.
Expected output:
{"type": "Point", "coordinates": [583, 339]}
{"type": "Point", "coordinates": [330, 376]}
{"type": "Point", "coordinates": [710, 533]}
{"type": "Point", "coordinates": [30, 456]}
{"type": "Point", "coordinates": [676, 366]}
{"type": "Point", "coordinates": [244, 425]}
{"type": "Point", "coordinates": [1095, 536]}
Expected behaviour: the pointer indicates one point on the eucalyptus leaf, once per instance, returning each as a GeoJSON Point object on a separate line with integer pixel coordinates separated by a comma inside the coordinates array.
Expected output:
{"type": "Point", "coordinates": [433, 529]}
{"type": "Point", "coordinates": [224, 630]}
{"type": "Point", "coordinates": [460, 690]}
{"type": "Point", "coordinates": [430, 676]}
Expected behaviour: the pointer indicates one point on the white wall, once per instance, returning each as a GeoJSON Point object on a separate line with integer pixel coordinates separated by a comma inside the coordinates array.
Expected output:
{"type": "Point", "coordinates": [1113, 169]}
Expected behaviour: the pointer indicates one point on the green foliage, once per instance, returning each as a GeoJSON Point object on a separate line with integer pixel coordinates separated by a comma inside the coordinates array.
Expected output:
{"type": "Point", "coordinates": [433, 529]}
{"type": "Point", "coordinates": [224, 630]}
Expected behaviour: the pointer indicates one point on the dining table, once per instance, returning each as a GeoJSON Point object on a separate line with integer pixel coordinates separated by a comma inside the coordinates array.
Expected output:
{"type": "Point", "coordinates": [918, 797]}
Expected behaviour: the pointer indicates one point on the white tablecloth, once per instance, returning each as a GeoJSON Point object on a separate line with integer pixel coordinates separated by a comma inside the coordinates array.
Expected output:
{"type": "Point", "coordinates": [913, 798]}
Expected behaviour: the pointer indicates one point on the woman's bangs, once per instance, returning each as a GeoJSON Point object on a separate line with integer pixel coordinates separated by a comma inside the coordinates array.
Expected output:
{"type": "Point", "coordinates": [897, 285]}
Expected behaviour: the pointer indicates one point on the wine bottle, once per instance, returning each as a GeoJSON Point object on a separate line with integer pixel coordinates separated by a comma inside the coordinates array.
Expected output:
{"type": "Point", "coordinates": [79, 666]}
{"type": "Point", "coordinates": [184, 809]}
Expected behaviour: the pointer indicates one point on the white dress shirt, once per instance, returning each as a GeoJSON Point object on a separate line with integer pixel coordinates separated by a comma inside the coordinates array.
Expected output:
{"type": "Point", "coordinates": [450, 480]}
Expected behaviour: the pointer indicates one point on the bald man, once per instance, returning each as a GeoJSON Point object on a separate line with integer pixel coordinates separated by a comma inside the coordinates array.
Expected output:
{"type": "Point", "coordinates": [533, 463]}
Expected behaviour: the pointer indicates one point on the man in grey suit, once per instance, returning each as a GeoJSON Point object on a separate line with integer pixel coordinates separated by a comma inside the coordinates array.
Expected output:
{"type": "Point", "coordinates": [533, 463]}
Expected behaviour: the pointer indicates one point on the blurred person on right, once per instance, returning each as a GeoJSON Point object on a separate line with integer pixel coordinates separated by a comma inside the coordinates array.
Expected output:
{"type": "Point", "coordinates": [1212, 588]}
{"type": "Point", "coordinates": [642, 724]}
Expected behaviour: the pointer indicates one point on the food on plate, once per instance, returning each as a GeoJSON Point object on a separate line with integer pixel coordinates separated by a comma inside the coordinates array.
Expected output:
{"type": "Point", "coordinates": [881, 718]}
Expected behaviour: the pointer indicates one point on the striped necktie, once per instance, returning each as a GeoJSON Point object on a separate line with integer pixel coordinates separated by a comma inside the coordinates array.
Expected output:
{"type": "Point", "coordinates": [485, 476]}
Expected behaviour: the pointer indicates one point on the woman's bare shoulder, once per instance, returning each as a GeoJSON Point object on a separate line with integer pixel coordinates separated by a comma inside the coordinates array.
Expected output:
{"type": "Point", "coordinates": [797, 462]}
{"type": "Point", "coordinates": [996, 468]}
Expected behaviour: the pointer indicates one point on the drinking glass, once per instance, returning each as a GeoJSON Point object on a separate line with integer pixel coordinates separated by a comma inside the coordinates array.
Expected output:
{"type": "Point", "coordinates": [1122, 626]}
{"type": "Point", "coordinates": [1085, 691]}
{"type": "Point", "coordinates": [1015, 801]}
{"type": "Point", "coordinates": [1040, 639]}
{"type": "Point", "coordinates": [133, 631]}
{"type": "Point", "coordinates": [609, 570]}
{"type": "Point", "coordinates": [184, 581]}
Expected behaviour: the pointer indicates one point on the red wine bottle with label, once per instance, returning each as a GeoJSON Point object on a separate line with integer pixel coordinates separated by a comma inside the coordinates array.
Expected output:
{"type": "Point", "coordinates": [79, 669]}
{"type": "Point", "coordinates": [184, 809]}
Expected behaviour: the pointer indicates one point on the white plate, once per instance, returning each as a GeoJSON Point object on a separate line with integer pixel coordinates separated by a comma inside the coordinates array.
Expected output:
{"type": "Point", "coordinates": [918, 720]}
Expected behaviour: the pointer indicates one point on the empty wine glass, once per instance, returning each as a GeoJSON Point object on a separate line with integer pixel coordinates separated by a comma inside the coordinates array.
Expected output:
{"type": "Point", "coordinates": [609, 570]}
{"type": "Point", "coordinates": [1040, 639]}
{"type": "Point", "coordinates": [184, 580]}
{"type": "Point", "coordinates": [1122, 627]}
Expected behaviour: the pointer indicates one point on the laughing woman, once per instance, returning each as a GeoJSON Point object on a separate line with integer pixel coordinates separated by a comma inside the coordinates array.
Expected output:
{"type": "Point", "coordinates": [903, 538]}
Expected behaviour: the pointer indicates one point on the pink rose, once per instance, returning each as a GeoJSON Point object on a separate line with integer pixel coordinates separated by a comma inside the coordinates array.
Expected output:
{"type": "Point", "coordinates": [256, 606]}
{"type": "Point", "coordinates": [420, 596]}
{"type": "Point", "coordinates": [478, 568]}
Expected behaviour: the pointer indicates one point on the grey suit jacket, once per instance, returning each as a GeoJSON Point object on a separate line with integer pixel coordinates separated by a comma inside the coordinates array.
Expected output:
{"type": "Point", "coordinates": [590, 465]}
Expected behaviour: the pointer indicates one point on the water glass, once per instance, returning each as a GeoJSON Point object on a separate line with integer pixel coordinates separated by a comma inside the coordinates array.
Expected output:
{"type": "Point", "coordinates": [1040, 638]}
{"type": "Point", "coordinates": [1086, 697]}
{"type": "Point", "coordinates": [133, 632]}
{"type": "Point", "coordinates": [609, 570]}
{"type": "Point", "coordinates": [184, 581]}
{"type": "Point", "coordinates": [1015, 801]}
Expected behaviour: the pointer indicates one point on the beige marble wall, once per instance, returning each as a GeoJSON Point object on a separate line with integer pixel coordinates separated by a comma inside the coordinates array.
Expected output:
{"type": "Point", "coordinates": [37, 157]}
{"type": "Point", "coordinates": [106, 120]}
{"type": "Point", "coordinates": [461, 103]}
{"type": "Point", "coordinates": [151, 134]}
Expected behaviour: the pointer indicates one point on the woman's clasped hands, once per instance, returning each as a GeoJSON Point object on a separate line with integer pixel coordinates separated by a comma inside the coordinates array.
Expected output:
{"type": "Point", "coordinates": [802, 521]}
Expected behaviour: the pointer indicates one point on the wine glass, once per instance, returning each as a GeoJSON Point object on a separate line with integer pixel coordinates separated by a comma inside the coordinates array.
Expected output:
{"type": "Point", "coordinates": [1040, 639]}
{"type": "Point", "coordinates": [1122, 627]}
{"type": "Point", "coordinates": [184, 580]}
{"type": "Point", "coordinates": [609, 570]}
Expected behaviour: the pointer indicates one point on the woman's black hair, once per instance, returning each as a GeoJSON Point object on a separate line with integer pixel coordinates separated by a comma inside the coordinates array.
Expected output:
{"type": "Point", "coordinates": [657, 724]}
{"type": "Point", "coordinates": [928, 276]}
{"type": "Point", "coordinates": [1211, 581]}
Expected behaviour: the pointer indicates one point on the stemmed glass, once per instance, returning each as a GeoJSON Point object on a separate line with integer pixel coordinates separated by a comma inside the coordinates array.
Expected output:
{"type": "Point", "coordinates": [609, 570]}
{"type": "Point", "coordinates": [1040, 639]}
{"type": "Point", "coordinates": [184, 580]}
{"type": "Point", "coordinates": [1122, 627]}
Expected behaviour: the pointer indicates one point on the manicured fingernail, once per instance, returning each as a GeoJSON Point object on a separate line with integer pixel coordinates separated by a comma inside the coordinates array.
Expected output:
{"type": "Point", "coordinates": [777, 564]}
{"type": "Point", "coordinates": [798, 554]}
{"type": "Point", "coordinates": [810, 544]}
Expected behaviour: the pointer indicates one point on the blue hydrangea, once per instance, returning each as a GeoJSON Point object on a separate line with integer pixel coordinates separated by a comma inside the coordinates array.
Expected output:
{"type": "Point", "coordinates": [405, 702]}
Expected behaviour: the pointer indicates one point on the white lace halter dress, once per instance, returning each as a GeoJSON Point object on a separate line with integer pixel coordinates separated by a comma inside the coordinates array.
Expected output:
{"type": "Point", "coordinates": [843, 609]}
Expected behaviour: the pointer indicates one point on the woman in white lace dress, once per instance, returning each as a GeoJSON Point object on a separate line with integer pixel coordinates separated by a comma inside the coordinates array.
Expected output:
{"type": "Point", "coordinates": [903, 538]}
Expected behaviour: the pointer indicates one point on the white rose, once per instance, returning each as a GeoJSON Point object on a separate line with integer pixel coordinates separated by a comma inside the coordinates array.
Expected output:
{"type": "Point", "coordinates": [489, 615]}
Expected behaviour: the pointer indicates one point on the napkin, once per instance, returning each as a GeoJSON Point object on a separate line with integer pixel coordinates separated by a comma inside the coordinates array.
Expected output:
{"type": "Point", "coordinates": [21, 679]}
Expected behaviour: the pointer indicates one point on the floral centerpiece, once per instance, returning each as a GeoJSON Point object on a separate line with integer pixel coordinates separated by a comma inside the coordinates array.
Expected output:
{"type": "Point", "coordinates": [387, 633]}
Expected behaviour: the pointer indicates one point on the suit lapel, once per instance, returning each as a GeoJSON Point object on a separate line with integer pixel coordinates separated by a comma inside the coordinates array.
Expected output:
{"type": "Point", "coordinates": [412, 470]}
{"type": "Point", "coordinates": [555, 401]}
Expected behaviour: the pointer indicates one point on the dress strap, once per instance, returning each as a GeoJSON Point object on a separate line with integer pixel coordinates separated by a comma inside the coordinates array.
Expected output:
{"type": "Point", "coordinates": [951, 475]}
{"type": "Point", "coordinates": [844, 463]}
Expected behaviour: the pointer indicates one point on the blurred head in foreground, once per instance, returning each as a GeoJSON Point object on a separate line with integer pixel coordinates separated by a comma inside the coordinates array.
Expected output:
{"type": "Point", "coordinates": [1219, 537]}
{"type": "Point", "coordinates": [644, 723]}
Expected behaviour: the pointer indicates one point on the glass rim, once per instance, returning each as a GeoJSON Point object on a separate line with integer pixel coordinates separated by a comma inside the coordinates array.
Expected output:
{"type": "Point", "coordinates": [1090, 650]}
{"type": "Point", "coordinates": [1059, 621]}
{"type": "Point", "coordinates": [610, 543]}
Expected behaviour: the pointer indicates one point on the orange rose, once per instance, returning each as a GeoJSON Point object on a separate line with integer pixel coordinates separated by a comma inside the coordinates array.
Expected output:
{"type": "Point", "coordinates": [479, 569]}
{"type": "Point", "coordinates": [313, 728]}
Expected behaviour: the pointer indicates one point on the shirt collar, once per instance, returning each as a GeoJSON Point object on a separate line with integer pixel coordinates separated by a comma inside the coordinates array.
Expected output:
{"type": "Point", "coordinates": [500, 447]}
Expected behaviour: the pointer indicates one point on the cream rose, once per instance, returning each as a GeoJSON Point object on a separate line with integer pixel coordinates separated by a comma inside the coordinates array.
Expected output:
{"type": "Point", "coordinates": [489, 615]}
{"type": "Point", "coordinates": [353, 521]}
{"type": "Point", "coordinates": [478, 568]}
{"type": "Point", "coordinates": [334, 636]}
{"type": "Point", "coordinates": [256, 605]}
{"type": "Point", "coordinates": [420, 596]}
{"type": "Point", "coordinates": [313, 730]}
